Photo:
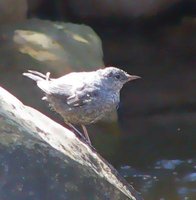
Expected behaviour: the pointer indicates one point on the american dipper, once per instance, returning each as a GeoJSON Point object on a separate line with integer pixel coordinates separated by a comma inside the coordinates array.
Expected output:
{"type": "Point", "coordinates": [82, 98]}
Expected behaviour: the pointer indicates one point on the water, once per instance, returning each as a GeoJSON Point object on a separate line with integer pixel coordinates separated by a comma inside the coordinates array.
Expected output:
{"type": "Point", "coordinates": [165, 179]}
{"type": "Point", "coordinates": [155, 148]}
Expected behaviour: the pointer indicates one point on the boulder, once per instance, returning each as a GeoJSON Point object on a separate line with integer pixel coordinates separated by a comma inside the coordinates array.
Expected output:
{"type": "Point", "coordinates": [40, 159]}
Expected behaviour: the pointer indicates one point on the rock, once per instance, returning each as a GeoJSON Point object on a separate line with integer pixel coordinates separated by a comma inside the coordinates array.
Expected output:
{"type": "Point", "coordinates": [62, 47]}
{"type": "Point", "coordinates": [40, 159]}
{"type": "Point", "coordinates": [55, 46]}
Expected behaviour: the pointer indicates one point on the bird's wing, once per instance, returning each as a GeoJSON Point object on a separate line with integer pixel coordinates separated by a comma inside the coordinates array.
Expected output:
{"type": "Point", "coordinates": [73, 90]}
{"type": "Point", "coordinates": [82, 97]}
{"type": "Point", "coordinates": [65, 85]}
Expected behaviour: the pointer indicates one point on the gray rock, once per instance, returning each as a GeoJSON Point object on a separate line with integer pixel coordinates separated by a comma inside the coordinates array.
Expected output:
{"type": "Point", "coordinates": [54, 46]}
{"type": "Point", "coordinates": [40, 159]}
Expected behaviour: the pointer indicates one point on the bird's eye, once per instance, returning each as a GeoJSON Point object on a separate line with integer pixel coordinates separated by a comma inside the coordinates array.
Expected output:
{"type": "Point", "coordinates": [117, 76]}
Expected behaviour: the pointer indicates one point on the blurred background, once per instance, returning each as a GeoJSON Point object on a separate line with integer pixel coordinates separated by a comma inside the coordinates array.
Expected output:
{"type": "Point", "coordinates": [151, 141]}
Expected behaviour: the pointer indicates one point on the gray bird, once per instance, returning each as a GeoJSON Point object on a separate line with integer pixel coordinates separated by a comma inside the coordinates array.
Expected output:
{"type": "Point", "coordinates": [82, 98]}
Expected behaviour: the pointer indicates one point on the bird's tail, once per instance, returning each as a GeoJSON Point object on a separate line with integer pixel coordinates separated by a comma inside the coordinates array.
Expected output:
{"type": "Point", "coordinates": [41, 79]}
{"type": "Point", "coordinates": [34, 75]}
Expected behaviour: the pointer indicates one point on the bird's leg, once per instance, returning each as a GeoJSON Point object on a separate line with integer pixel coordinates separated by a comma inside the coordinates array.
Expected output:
{"type": "Point", "coordinates": [86, 134]}
{"type": "Point", "coordinates": [47, 76]}
{"type": "Point", "coordinates": [76, 130]}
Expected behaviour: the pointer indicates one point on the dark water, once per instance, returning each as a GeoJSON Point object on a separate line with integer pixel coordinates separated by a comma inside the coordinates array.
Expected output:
{"type": "Point", "coordinates": [159, 166]}
{"type": "Point", "coordinates": [156, 146]}
{"type": "Point", "coordinates": [165, 179]}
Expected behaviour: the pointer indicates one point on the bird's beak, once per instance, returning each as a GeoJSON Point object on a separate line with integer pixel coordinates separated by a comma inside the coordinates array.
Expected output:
{"type": "Point", "coordinates": [133, 77]}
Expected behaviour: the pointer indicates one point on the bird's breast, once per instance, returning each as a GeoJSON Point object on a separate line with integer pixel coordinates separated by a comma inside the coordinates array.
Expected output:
{"type": "Point", "coordinates": [98, 105]}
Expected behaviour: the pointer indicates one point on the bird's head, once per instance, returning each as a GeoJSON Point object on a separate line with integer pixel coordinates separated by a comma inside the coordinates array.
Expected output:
{"type": "Point", "coordinates": [115, 78]}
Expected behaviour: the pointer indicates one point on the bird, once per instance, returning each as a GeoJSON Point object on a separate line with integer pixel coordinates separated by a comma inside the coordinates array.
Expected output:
{"type": "Point", "coordinates": [83, 98]}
